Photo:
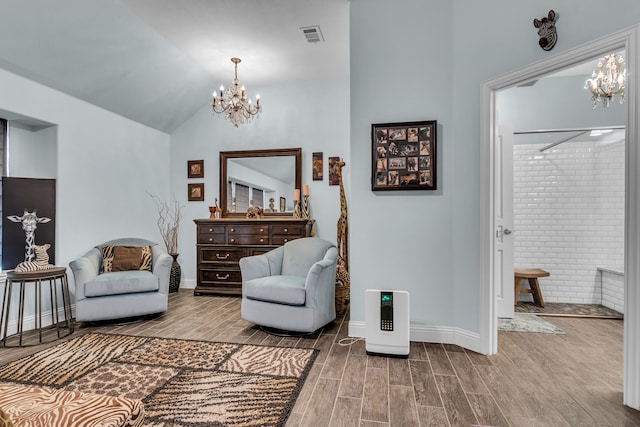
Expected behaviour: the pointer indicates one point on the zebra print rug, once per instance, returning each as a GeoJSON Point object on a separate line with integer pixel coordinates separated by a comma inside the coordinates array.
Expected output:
{"type": "Point", "coordinates": [181, 382]}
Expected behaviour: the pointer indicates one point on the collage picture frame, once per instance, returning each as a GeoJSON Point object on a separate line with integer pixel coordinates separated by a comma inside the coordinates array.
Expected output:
{"type": "Point", "coordinates": [404, 156]}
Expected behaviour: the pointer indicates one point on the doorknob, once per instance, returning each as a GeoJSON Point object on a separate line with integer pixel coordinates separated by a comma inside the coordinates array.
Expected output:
{"type": "Point", "coordinates": [507, 231]}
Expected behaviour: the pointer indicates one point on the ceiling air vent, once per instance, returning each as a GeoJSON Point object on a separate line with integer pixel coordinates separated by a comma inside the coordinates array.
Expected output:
{"type": "Point", "coordinates": [313, 34]}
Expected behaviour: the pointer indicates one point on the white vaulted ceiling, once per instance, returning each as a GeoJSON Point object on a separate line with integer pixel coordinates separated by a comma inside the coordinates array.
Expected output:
{"type": "Point", "coordinates": [157, 61]}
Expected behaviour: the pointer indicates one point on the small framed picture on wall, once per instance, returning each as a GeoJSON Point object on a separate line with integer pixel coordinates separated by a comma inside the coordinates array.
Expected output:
{"type": "Point", "coordinates": [195, 169]}
{"type": "Point", "coordinates": [334, 179]}
{"type": "Point", "coordinates": [316, 166]}
{"type": "Point", "coordinates": [196, 192]}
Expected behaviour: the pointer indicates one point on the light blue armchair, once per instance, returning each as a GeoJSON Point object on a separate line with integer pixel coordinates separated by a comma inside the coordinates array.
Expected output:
{"type": "Point", "coordinates": [291, 288]}
{"type": "Point", "coordinates": [120, 294]}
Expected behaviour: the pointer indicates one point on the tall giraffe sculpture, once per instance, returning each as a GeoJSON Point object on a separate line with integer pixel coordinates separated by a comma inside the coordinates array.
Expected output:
{"type": "Point", "coordinates": [343, 221]}
{"type": "Point", "coordinates": [29, 222]}
{"type": "Point", "coordinates": [343, 278]}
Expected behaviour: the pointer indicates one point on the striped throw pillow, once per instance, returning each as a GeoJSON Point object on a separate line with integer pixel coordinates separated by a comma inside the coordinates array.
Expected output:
{"type": "Point", "coordinates": [121, 258]}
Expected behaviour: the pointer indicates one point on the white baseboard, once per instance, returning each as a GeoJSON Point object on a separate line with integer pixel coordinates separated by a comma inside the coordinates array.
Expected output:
{"type": "Point", "coordinates": [188, 284]}
{"type": "Point", "coordinates": [432, 334]}
{"type": "Point", "coordinates": [29, 322]}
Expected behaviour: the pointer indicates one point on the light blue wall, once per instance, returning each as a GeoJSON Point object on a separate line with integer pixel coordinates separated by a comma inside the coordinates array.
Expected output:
{"type": "Point", "coordinates": [492, 38]}
{"type": "Point", "coordinates": [310, 115]}
{"type": "Point", "coordinates": [105, 165]}
{"type": "Point", "coordinates": [426, 59]}
{"type": "Point", "coordinates": [401, 71]}
{"type": "Point", "coordinates": [32, 153]}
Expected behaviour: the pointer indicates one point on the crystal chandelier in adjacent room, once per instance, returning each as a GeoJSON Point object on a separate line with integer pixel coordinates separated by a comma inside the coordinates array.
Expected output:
{"type": "Point", "coordinates": [607, 80]}
{"type": "Point", "coordinates": [234, 102]}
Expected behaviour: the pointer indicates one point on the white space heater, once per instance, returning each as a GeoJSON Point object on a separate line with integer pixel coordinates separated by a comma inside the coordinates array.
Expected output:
{"type": "Point", "coordinates": [386, 314]}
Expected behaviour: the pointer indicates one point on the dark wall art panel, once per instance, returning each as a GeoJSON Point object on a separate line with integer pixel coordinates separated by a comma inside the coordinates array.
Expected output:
{"type": "Point", "coordinates": [28, 218]}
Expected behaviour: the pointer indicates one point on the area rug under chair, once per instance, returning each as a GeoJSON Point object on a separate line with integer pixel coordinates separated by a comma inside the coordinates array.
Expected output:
{"type": "Point", "coordinates": [527, 323]}
{"type": "Point", "coordinates": [181, 382]}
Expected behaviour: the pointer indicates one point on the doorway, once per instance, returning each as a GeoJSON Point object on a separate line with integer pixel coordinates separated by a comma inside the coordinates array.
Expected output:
{"type": "Point", "coordinates": [624, 40]}
{"type": "Point", "coordinates": [568, 192]}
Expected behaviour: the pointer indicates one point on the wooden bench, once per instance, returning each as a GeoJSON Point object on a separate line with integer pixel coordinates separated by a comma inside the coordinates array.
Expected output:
{"type": "Point", "coordinates": [532, 276]}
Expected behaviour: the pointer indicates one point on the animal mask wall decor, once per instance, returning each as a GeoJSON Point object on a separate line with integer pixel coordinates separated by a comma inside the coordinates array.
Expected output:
{"type": "Point", "coordinates": [547, 31]}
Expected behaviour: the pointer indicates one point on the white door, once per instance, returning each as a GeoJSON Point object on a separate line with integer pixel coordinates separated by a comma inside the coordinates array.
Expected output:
{"type": "Point", "coordinates": [503, 257]}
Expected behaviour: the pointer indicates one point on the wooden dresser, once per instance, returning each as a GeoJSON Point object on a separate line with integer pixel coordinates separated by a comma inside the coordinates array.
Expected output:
{"type": "Point", "coordinates": [220, 243]}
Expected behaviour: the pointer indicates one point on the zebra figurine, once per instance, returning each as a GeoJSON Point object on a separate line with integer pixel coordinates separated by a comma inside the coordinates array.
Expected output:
{"type": "Point", "coordinates": [41, 262]}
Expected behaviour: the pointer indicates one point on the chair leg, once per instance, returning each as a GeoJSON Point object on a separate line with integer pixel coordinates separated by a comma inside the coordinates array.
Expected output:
{"type": "Point", "coordinates": [535, 291]}
{"type": "Point", "coordinates": [516, 291]}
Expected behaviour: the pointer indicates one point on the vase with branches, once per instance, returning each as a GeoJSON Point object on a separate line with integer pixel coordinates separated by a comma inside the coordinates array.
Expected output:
{"type": "Point", "coordinates": [169, 217]}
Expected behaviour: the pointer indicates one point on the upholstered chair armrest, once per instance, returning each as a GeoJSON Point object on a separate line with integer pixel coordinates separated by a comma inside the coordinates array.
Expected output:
{"type": "Point", "coordinates": [263, 265]}
{"type": "Point", "coordinates": [162, 268]}
{"type": "Point", "coordinates": [275, 258]}
{"type": "Point", "coordinates": [321, 280]}
{"type": "Point", "coordinates": [254, 267]}
{"type": "Point", "coordinates": [84, 269]}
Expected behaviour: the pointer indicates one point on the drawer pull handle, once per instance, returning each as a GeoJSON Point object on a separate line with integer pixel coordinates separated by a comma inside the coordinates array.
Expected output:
{"type": "Point", "coordinates": [210, 230]}
{"type": "Point", "coordinates": [261, 240]}
{"type": "Point", "coordinates": [286, 240]}
{"type": "Point", "coordinates": [219, 277]}
{"type": "Point", "coordinates": [222, 257]}
{"type": "Point", "coordinates": [233, 240]}
{"type": "Point", "coordinates": [286, 229]}
{"type": "Point", "coordinates": [211, 239]}
{"type": "Point", "coordinates": [261, 230]}
{"type": "Point", "coordinates": [233, 230]}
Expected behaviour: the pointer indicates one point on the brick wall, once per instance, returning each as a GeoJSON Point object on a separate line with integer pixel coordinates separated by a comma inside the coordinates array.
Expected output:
{"type": "Point", "coordinates": [613, 290]}
{"type": "Point", "coordinates": [569, 216]}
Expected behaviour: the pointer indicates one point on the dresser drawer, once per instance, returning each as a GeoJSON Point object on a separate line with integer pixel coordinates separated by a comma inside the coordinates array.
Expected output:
{"type": "Point", "coordinates": [220, 276]}
{"type": "Point", "coordinates": [260, 251]}
{"type": "Point", "coordinates": [289, 230]}
{"type": "Point", "coordinates": [247, 239]}
{"type": "Point", "coordinates": [259, 230]}
{"type": "Point", "coordinates": [281, 240]}
{"type": "Point", "coordinates": [212, 239]}
{"type": "Point", "coordinates": [220, 255]}
{"type": "Point", "coordinates": [215, 229]}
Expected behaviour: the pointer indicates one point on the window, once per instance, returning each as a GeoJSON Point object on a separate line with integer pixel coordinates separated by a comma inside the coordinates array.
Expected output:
{"type": "Point", "coordinates": [257, 198]}
{"type": "Point", "coordinates": [242, 198]}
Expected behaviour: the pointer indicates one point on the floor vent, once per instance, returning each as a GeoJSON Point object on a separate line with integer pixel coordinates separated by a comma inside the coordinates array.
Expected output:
{"type": "Point", "coordinates": [313, 34]}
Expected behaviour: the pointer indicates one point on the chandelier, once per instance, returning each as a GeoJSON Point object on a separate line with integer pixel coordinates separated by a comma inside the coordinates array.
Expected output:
{"type": "Point", "coordinates": [607, 80]}
{"type": "Point", "coordinates": [234, 102]}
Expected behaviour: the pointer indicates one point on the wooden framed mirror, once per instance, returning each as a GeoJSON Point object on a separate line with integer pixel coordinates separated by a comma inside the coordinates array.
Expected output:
{"type": "Point", "coordinates": [250, 176]}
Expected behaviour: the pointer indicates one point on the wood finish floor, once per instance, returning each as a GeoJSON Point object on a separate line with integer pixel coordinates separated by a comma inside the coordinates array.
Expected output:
{"type": "Point", "coordinates": [535, 379]}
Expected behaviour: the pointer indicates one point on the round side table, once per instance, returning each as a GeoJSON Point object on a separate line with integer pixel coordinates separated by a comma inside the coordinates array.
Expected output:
{"type": "Point", "coordinates": [57, 278]}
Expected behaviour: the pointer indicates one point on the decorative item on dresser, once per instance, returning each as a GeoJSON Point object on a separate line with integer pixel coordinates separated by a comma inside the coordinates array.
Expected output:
{"type": "Point", "coordinates": [222, 242]}
{"type": "Point", "coordinates": [306, 207]}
